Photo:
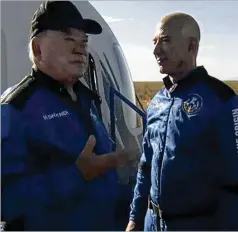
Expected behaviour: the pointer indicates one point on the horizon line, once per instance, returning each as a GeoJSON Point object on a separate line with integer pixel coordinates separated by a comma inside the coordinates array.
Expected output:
{"type": "Point", "coordinates": [162, 81]}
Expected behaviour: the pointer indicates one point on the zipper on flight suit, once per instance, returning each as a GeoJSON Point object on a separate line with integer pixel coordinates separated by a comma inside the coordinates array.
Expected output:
{"type": "Point", "coordinates": [161, 158]}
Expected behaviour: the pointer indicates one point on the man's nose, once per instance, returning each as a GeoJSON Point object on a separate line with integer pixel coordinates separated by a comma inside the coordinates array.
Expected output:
{"type": "Point", "coordinates": [157, 50]}
{"type": "Point", "coordinates": [81, 49]}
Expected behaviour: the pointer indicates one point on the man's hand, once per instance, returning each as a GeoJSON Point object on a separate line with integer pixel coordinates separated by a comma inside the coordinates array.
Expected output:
{"type": "Point", "coordinates": [92, 165]}
{"type": "Point", "coordinates": [131, 226]}
{"type": "Point", "coordinates": [121, 158]}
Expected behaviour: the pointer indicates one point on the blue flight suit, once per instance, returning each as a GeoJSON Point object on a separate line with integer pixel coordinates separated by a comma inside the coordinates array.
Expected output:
{"type": "Point", "coordinates": [43, 133]}
{"type": "Point", "coordinates": [189, 167]}
{"type": "Point", "coordinates": [226, 128]}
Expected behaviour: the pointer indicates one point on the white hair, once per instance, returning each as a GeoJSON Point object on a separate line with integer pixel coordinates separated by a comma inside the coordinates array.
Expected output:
{"type": "Point", "coordinates": [30, 52]}
{"type": "Point", "coordinates": [30, 48]}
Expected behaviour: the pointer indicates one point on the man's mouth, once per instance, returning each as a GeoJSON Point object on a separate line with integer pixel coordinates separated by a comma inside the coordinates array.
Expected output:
{"type": "Point", "coordinates": [77, 62]}
{"type": "Point", "coordinates": [80, 60]}
{"type": "Point", "coordinates": [161, 60]}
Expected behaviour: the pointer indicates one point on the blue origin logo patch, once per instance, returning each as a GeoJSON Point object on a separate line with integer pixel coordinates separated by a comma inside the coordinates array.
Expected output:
{"type": "Point", "coordinates": [193, 104]}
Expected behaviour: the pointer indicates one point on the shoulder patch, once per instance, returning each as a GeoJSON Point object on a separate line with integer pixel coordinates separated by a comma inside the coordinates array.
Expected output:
{"type": "Point", "coordinates": [18, 95]}
{"type": "Point", "coordinates": [192, 104]}
{"type": "Point", "coordinates": [223, 91]}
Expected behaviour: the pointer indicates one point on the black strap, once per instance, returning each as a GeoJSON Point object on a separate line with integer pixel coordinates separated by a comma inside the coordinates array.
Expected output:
{"type": "Point", "coordinates": [156, 209]}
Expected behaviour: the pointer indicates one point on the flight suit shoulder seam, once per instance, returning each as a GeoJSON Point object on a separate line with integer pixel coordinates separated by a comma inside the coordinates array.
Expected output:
{"type": "Point", "coordinates": [21, 93]}
{"type": "Point", "coordinates": [221, 89]}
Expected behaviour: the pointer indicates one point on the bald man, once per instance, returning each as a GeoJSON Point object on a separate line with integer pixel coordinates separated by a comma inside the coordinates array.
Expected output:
{"type": "Point", "coordinates": [188, 173]}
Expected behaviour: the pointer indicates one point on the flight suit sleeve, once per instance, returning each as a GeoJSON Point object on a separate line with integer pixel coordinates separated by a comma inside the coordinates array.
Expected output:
{"type": "Point", "coordinates": [227, 128]}
{"type": "Point", "coordinates": [23, 188]}
{"type": "Point", "coordinates": [142, 188]}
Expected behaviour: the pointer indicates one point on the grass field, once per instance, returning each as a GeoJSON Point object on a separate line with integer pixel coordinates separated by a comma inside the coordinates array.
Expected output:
{"type": "Point", "coordinates": [146, 90]}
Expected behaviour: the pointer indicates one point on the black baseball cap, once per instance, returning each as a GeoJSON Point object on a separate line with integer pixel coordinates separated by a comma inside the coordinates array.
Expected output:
{"type": "Point", "coordinates": [61, 15]}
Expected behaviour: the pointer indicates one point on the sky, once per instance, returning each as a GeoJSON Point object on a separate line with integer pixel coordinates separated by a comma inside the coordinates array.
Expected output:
{"type": "Point", "coordinates": [134, 24]}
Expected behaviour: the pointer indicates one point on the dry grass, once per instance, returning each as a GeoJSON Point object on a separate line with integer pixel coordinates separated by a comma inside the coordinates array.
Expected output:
{"type": "Point", "coordinates": [146, 90]}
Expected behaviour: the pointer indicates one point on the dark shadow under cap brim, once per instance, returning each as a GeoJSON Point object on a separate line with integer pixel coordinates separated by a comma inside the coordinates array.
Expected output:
{"type": "Point", "coordinates": [90, 26]}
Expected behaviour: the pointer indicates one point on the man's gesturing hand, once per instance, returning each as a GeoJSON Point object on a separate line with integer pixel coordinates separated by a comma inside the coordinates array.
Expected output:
{"type": "Point", "coordinates": [86, 161]}
{"type": "Point", "coordinates": [92, 165]}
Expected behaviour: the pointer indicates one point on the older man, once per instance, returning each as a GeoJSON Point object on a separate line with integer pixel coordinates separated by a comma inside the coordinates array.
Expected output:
{"type": "Point", "coordinates": [188, 174]}
{"type": "Point", "coordinates": [58, 168]}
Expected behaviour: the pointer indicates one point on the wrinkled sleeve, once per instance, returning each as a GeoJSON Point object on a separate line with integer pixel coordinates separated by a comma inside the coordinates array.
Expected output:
{"type": "Point", "coordinates": [227, 132]}
{"type": "Point", "coordinates": [25, 189]}
{"type": "Point", "coordinates": [142, 187]}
